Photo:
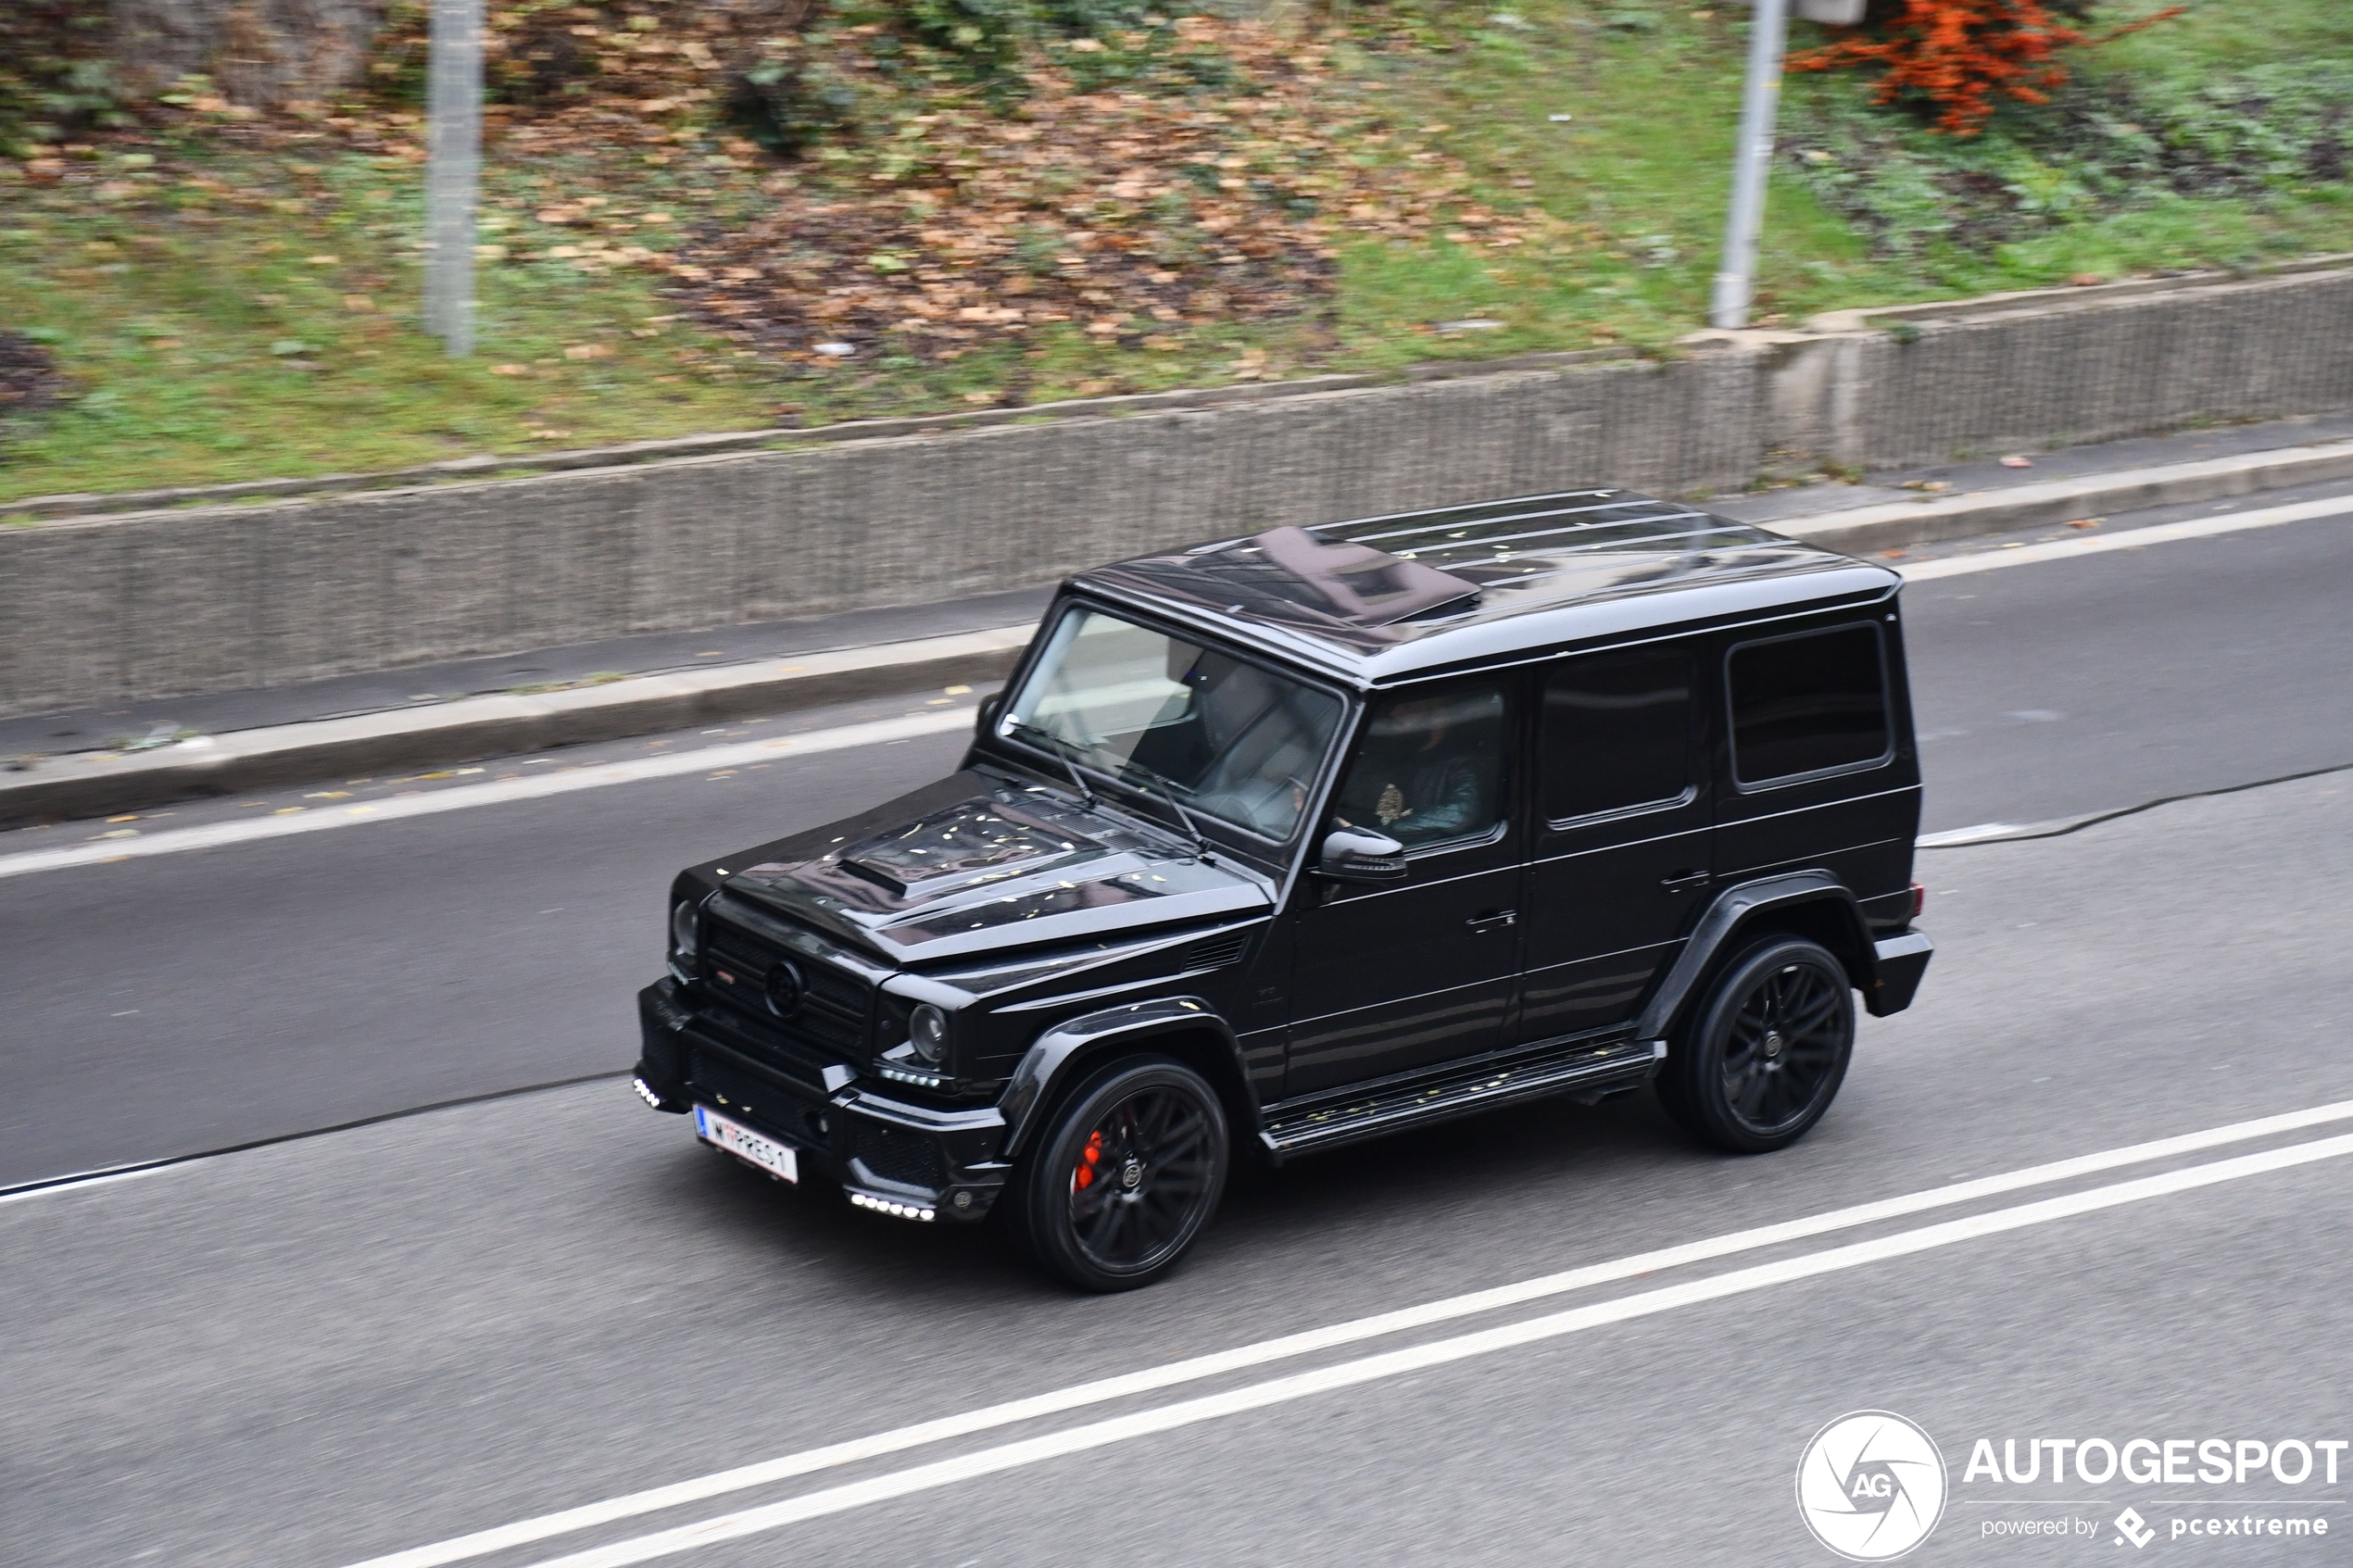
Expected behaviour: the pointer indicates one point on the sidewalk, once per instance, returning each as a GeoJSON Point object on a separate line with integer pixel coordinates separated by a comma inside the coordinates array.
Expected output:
{"type": "Point", "coordinates": [98, 761]}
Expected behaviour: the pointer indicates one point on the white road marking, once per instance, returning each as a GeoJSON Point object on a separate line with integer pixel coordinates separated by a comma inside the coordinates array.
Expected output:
{"type": "Point", "coordinates": [84, 1183]}
{"type": "Point", "coordinates": [461, 796]}
{"type": "Point", "coordinates": [481, 1543]}
{"type": "Point", "coordinates": [1951, 837]}
{"type": "Point", "coordinates": [1440, 1352]}
{"type": "Point", "coordinates": [2129, 539]}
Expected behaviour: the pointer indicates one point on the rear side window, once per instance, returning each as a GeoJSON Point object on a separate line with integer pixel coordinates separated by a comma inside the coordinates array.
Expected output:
{"type": "Point", "coordinates": [1808, 703]}
{"type": "Point", "coordinates": [1618, 733]}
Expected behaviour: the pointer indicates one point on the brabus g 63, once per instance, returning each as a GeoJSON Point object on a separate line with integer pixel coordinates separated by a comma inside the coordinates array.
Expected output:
{"type": "Point", "coordinates": [1281, 842]}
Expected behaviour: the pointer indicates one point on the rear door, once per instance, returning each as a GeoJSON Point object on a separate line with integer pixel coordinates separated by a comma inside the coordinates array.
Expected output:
{"type": "Point", "coordinates": [1388, 979]}
{"type": "Point", "coordinates": [1622, 853]}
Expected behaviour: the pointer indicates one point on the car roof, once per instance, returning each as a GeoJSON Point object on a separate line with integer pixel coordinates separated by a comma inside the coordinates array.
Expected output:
{"type": "Point", "coordinates": [1386, 598]}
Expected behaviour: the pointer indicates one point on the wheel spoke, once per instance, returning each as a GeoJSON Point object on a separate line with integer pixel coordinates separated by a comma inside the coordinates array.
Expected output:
{"type": "Point", "coordinates": [1813, 1015]}
{"type": "Point", "coordinates": [1168, 1132]}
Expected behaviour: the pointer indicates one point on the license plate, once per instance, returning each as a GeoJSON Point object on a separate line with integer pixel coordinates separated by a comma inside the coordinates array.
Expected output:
{"type": "Point", "coordinates": [776, 1158]}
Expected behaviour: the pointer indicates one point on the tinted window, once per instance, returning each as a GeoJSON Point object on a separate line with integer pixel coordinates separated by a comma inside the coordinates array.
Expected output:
{"type": "Point", "coordinates": [1617, 731]}
{"type": "Point", "coordinates": [1806, 703]}
{"type": "Point", "coordinates": [1430, 767]}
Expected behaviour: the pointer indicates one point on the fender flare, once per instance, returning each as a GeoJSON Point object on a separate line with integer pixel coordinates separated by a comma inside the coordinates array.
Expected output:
{"type": "Point", "coordinates": [1069, 1042]}
{"type": "Point", "coordinates": [1722, 920]}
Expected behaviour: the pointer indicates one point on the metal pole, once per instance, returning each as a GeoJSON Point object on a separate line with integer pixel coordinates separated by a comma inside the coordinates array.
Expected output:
{"type": "Point", "coordinates": [453, 110]}
{"type": "Point", "coordinates": [1752, 160]}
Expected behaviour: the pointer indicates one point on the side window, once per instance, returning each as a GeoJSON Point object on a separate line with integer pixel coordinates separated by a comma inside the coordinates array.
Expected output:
{"type": "Point", "coordinates": [1618, 733]}
{"type": "Point", "coordinates": [1808, 703]}
{"type": "Point", "coordinates": [1432, 766]}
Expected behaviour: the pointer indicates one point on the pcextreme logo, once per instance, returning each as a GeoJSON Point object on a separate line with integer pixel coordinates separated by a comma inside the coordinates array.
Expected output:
{"type": "Point", "coordinates": [1871, 1486]}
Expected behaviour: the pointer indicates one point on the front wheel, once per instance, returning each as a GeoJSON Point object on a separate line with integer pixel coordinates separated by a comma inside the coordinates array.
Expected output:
{"type": "Point", "coordinates": [1125, 1176]}
{"type": "Point", "coordinates": [1760, 1061]}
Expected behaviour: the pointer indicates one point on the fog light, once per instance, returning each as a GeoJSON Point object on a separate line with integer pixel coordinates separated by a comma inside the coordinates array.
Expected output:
{"type": "Point", "coordinates": [645, 1093]}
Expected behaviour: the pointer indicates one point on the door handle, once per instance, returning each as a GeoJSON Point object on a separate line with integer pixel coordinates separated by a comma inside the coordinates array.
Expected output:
{"type": "Point", "coordinates": [1682, 880]}
{"type": "Point", "coordinates": [1479, 925]}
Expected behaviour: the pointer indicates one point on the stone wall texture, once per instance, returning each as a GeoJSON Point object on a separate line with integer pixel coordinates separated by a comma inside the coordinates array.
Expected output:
{"type": "Point", "coordinates": [211, 598]}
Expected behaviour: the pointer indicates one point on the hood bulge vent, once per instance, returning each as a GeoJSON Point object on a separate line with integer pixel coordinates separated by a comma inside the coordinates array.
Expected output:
{"type": "Point", "coordinates": [1217, 952]}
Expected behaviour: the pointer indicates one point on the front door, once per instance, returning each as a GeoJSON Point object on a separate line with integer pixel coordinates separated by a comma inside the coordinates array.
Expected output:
{"type": "Point", "coordinates": [1623, 837]}
{"type": "Point", "coordinates": [1406, 975]}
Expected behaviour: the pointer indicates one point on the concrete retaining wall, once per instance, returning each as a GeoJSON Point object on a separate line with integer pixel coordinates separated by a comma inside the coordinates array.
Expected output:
{"type": "Point", "coordinates": [164, 602]}
{"type": "Point", "coordinates": [2042, 372]}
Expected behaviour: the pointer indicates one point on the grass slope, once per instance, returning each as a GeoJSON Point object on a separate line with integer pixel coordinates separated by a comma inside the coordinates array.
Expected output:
{"type": "Point", "coordinates": [232, 305]}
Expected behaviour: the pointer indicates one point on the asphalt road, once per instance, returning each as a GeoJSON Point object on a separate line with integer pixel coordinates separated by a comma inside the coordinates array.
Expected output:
{"type": "Point", "coordinates": [312, 1353]}
{"type": "Point", "coordinates": [338, 1347]}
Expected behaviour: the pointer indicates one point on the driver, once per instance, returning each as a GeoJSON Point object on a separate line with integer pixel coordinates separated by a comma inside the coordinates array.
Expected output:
{"type": "Point", "coordinates": [1409, 783]}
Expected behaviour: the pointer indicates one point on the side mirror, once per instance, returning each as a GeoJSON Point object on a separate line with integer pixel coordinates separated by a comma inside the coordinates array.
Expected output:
{"type": "Point", "coordinates": [990, 706]}
{"type": "Point", "coordinates": [1356, 855]}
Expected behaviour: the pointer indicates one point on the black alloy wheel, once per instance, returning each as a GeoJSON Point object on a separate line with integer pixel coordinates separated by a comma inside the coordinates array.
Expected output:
{"type": "Point", "coordinates": [1760, 1061]}
{"type": "Point", "coordinates": [1127, 1174]}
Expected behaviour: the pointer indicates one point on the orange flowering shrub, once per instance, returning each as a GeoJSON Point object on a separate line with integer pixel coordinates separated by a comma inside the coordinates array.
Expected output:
{"type": "Point", "coordinates": [1958, 54]}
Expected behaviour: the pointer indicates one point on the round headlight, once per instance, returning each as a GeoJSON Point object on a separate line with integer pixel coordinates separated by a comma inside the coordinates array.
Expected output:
{"type": "Point", "coordinates": [682, 932]}
{"type": "Point", "coordinates": [927, 1031]}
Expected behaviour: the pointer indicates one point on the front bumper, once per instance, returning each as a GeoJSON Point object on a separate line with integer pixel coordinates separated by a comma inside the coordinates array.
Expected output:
{"type": "Point", "coordinates": [894, 1154]}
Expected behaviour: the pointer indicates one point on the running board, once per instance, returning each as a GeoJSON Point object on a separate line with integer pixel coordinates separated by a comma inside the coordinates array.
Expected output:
{"type": "Point", "coordinates": [1596, 1069]}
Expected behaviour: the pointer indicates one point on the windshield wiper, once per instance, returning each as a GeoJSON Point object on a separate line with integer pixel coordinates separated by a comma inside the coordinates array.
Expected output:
{"type": "Point", "coordinates": [1168, 792]}
{"type": "Point", "coordinates": [1062, 751]}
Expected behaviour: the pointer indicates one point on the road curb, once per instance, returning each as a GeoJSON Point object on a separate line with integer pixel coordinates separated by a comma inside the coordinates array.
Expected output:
{"type": "Point", "coordinates": [100, 784]}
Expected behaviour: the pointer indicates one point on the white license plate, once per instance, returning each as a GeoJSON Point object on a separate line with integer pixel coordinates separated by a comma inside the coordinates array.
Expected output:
{"type": "Point", "coordinates": [776, 1158]}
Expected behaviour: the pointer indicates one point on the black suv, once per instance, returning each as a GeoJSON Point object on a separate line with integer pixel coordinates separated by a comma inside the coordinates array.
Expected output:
{"type": "Point", "coordinates": [1285, 841]}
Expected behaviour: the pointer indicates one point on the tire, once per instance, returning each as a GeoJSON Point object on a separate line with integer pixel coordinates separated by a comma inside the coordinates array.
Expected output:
{"type": "Point", "coordinates": [1754, 1066]}
{"type": "Point", "coordinates": [1127, 1172]}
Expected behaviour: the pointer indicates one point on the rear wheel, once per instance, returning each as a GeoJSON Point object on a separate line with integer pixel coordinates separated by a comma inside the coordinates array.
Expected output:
{"type": "Point", "coordinates": [1760, 1061]}
{"type": "Point", "coordinates": [1124, 1177]}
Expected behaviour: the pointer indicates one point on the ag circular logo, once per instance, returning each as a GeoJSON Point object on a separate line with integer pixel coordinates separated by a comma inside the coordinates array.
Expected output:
{"type": "Point", "coordinates": [784, 988]}
{"type": "Point", "coordinates": [1871, 1486]}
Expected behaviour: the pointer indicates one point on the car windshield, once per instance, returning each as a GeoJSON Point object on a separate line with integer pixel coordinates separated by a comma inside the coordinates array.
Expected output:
{"type": "Point", "coordinates": [1229, 740]}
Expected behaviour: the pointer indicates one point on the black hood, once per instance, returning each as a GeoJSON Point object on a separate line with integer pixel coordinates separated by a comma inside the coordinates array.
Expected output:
{"type": "Point", "coordinates": [976, 864]}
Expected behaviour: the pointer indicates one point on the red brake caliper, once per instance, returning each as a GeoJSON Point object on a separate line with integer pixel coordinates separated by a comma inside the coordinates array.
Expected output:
{"type": "Point", "coordinates": [1089, 1157]}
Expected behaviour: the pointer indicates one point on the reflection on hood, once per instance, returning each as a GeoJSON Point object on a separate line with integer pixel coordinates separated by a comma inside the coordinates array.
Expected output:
{"type": "Point", "coordinates": [1000, 864]}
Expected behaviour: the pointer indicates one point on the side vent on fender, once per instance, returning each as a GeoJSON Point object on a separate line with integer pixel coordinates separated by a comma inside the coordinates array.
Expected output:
{"type": "Point", "coordinates": [1217, 952]}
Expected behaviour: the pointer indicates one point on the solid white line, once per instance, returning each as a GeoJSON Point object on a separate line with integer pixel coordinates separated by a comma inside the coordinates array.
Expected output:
{"type": "Point", "coordinates": [2129, 539]}
{"type": "Point", "coordinates": [1394, 1364]}
{"type": "Point", "coordinates": [636, 1504]}
{"type": "Point", "coordinates": [1951, 837]}
{"type": "Point", "coordinates": [635, 770]}
{"type": "Point", "coordinates": [84, 1183]}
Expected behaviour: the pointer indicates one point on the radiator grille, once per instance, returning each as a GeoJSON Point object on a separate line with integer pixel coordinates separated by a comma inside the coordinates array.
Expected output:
{"type": "Point", "coordinates": [829, 1024]}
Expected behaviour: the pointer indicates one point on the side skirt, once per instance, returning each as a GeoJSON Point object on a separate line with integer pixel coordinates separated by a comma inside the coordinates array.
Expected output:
{"type": "Point", "coordinates": [1590, 1066]}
